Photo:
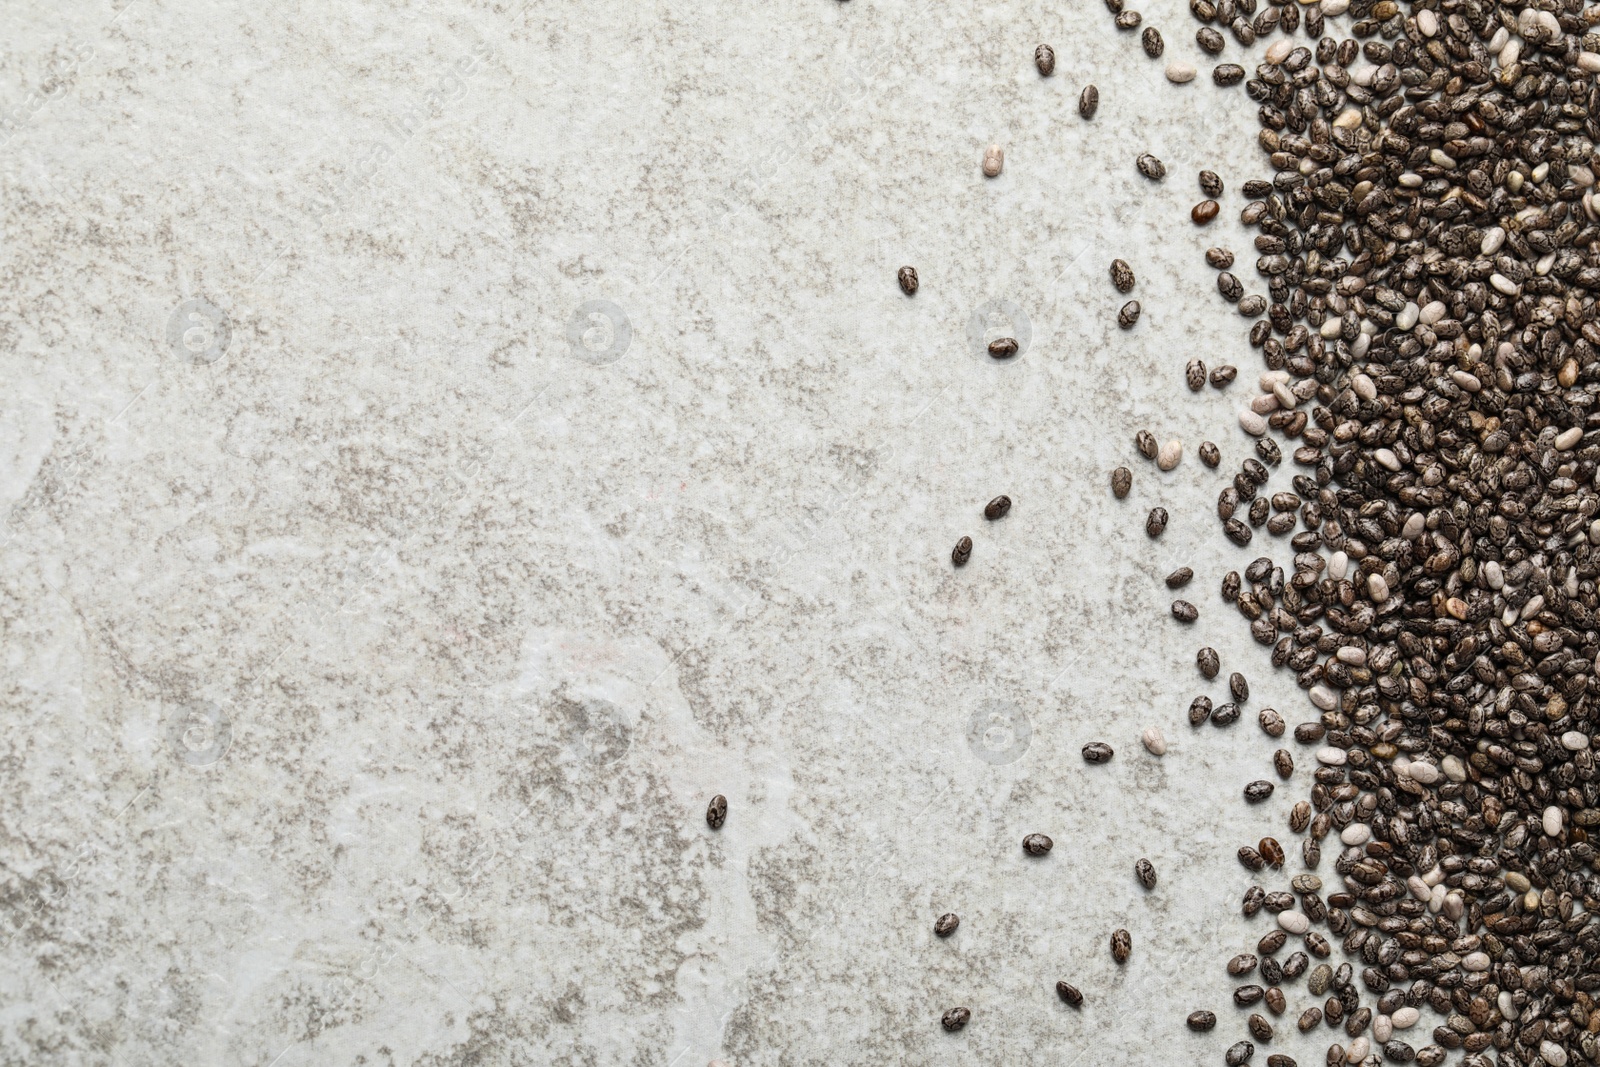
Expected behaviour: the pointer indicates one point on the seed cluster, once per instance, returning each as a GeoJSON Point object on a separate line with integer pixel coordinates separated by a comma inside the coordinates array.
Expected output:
{"type": "Point", "coordinates": [1424, 303]}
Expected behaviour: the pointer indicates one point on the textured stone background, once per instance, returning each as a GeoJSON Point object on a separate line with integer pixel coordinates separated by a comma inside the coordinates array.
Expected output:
{"type": "Point", "coordinates": [378, 611]}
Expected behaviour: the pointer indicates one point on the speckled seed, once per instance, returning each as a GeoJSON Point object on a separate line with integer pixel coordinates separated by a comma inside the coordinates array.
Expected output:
{"type": "Point", "coordinates": [1283, 763]}
{"type": "Point", "coordinates": [1208, 661]}
{"type": "Point", "coordinates": [955, 1019]}
{"type": "Point", "coordinates": [1044, 57]}
{"type": "Point", "coordinates": [962, 552]}
{"type": "Point", "coordinates": [1300, 816]}
{"type": "Point", "coordinates": [1121, 945]}
{"type": "Point", "coordinates": [1128, 315]}
{"type": "Point", "coordinates": [994, 158]}
{"type": "Point", "coordinates": [1121, 482]}
{"type": "Point", "coordinates": [1260, 1029]}
{"type": "Point", "coordinates": [1210, 41]}
{"type": "Point", "coordinates": [1156, 523]}
{"type": "Point", "coordinates": [1220, 258]}
{"type": "Point", "coordinates": [1180, 578]}
{"type": "Point", "coordinates": [1097, 752]}
{"type": "Point", "coordinates": [1154, 742]}
{"type": "Point", "coordinates": [1150, 166]}
{"type": "Point", "coordinates": [946, 924]}
{"type": "Point", "coordinates": [1204, 211]}
{"type": "Point", "coordinates": [1069, 994]}
{"type": "Point", "coordinates": [1170, 456]}
{"type": "Point", "coordinates": [1003, 347]}
{"type": "Point", "coordinates": [1242, 964]}
{"type": "Point", "coordinates": [1238, 1053]}
{"type": "Point", "coordinates": [1309, 1019]}
{"type": "Point", "coordinates": [1151, 40]}
{"type": "Point", "coordinates": [1321, 978]}
{"type": "Point", "coordinates": [1271, 851]}
{"type": "Point", "coordinates": [1210, 184]}
{"type": "Point", "coordinates": [1088, 102]}
{"type": "Point", "coordinates": [1226, 74]}
{"type": "Point", "coordinates": [997, 508]}
{"type": "Point", "coordinates": [1121, 275]}
{"type": "Point", "coordinates": [1201, 1021]}
{"type": "Point", "coordinates": [1238, 686]}
{"type": "Point", "coordinates": [1145, 442]}
{"type": "Point", "coordinates": [717, 812]}
{"type": "Point", "coordinates": [1194, 375]}
{"type": "Point", "coordinates": [1145, 871]}
{"type": "Point", "coordinates": [1222, 375]}
{"type": "Point", "coordinates": [1036, 844]}
{"type": "Point", "coordinates": [908, 280]}
{"type": "Point", "coordinates": [1210, 454]}
{"type": "Point", "coordinates": [1199, 710]}
{"type": "Point", "coordinates": [1225, 715]}
{"type": "Point", "coordinates": [1271, 722]}
{"type": "Point", "coordinates": [1184, 611]}
{"type": "Point", "coordinates": [1246, 995]}
{"type": "Point", "coordinates": [1258, 791]}
{"type": "Point", "coordinates": [1129, 20]}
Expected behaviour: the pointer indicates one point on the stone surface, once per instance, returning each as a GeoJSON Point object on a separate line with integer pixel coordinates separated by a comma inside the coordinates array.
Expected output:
{"type": "Point", "coordinates": [445, 444]}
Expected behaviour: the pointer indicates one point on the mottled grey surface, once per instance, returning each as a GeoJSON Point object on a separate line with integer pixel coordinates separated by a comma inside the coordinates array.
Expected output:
{"type": "Point", "coordinates": [378, 613]}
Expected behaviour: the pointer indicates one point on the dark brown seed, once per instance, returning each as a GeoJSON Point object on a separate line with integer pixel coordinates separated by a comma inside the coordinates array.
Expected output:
{"type": "Point", "coordinates": [955, 1019]}
{"type": "Point", "coordinates": [1145, 442]}
{"type": "Point", "coordinates": [1237, 532]}
{"type": "Point", "coordinates": [1210, 455]}
{"type": "Point", "coordinates": [1219, 258]}
{"type": "Point", "coordinates": [1283, 763]}
{"type": "Point", "coordinates": [717, 812]}
{"type": "Point", "coordinates": [1231, 288]}
{"type": "Point", "coordinates": [1224, 374]}
{"type": "Point", "coordinates": [1226, 74]}
{"type": "Point", "coordinates": [1246, 995]}
{"type": "Point", "coordinates": [1070, 994]}
{"type": "Point", "coordinates": [1203, 212]}
{"type": "Point", "coordinates": [1121, 945]}
{"type": "Point", "coordinates": [1242, 964]}
{"type": "Point", "coordinates": [1129, 20]}
{"type": "Point", "coordinates": [1225, 714]}
{"type": "Point", "coordinates": [1044, 57]}
{"type": "Point", "coordinates": [1309, 1019]}
{"type": "Point", "coordinates": [1271, 851]}
{"type": "Point", "coordinates": [997, 508]}
{"type": "Point", "coordinates": [1150, 166]}
{"type": "Point", "coordinates": [1277, 1003]}
{"type": "Point", "coordinates": [1238, 687]}
{"type": "Point", "coordinates": [1097, 752]}
{"type": "Point", "coordinates": [1184, 611]}
{"type": "Point", "coordinates": [1210, 41]}
{"type": "Point", "coordinates": [1258, 791]}
{"type": "Point", "coordinates": [908, 280]}
{"type": "Point", "coordinates": [1179, 578]}
{"type": "Point", "coordinates": [1259, 1028]}
{"type": "Point", "coordinates": [1253, 898]}
{"type": "Point", "coordinates": [1201, 1021]}
{"type": "Point", "coordinates": [1036, 844]}
{"type": "Point", "coordinates": [1194, 375]}
{"type": "Point", "coordinates": [946, 924]}
{"type": "Point", "coordinates": [1208, 661]}
{"type": "Point", "coordinates": [1271, 942]}
{"type": "Point", "coordinates": [1003, 347]}
{"type": "Point", "coordinates": [1251, 858]}
{"type": "Point", "coordinates": [1199, 710]}
{"type": "Point", "coordinates": [1271, 722]}
{"type": "Point", "coordinates": [1300, 816]}
{"type": "Point", "coordinates": [1238, 1053]}
{"type": "Point", "coordinates": [962, 552]}
{"type": "Point", "coordinates": [1128, 315]}
{"type": "Point", "coordinates": [1151, 40]}
{"type": "Point", "coordinates": [1121, 482]}
{"type": "Point", "coordinates": [1088, 102]}
{"type": "Point", "coordinates": [1156, 523]}
{"type": "Point", "coordinates": [1146, 873]}
{"type": "Point", "coordinates": [1121, 275]}
{"type": "Point", "coordinates": [1210, 184]}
